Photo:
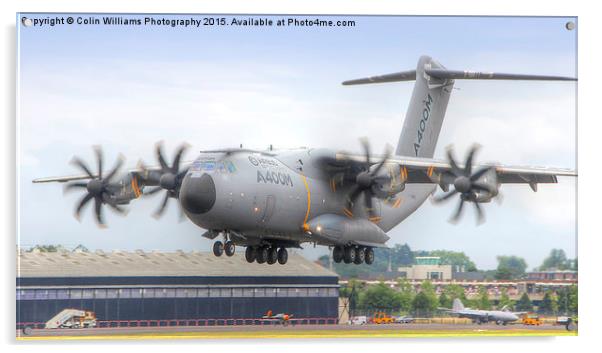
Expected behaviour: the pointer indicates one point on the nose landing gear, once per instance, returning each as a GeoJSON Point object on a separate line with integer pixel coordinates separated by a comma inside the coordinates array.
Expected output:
{"type": "Point", "coordinates": [219, 248]}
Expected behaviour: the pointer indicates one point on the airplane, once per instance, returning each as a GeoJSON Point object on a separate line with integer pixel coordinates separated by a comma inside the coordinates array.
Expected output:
{"type": "Point", "coordinates": [276, 199]}
{"type": "Point", "coordinates": [281, 318]}
{"type": "Point", "coordinates": [500, 317]}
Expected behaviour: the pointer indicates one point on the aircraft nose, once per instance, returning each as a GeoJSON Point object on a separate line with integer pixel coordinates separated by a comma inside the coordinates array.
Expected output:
{"type": "Point", "coordinates": [197, 195]}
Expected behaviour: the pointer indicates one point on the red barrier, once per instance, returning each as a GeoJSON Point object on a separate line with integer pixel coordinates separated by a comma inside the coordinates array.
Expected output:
{"type": "Point", "coordinates": [194, 322]}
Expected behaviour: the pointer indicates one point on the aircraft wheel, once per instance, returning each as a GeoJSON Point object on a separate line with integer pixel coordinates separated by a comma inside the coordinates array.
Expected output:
{"type": "Point", "coordinates": [282, 256]}
{"type": "Point", "coordinates": [250, 254]}
{"type": "Point", "coordinates": [349, 254]}
{"type": "Point", "coordinates": [369, 256]}
{"type": "Point", "coordinates": [337, 254]}
{"type": "Point", "coordinates": [218, 248]}
{"type": "Point", "coordinates": [229, 248]}
{"type": "Point", "coordinates": [272, 256]}
{"type": "Point", "coordinates": [360, 255]}
{"type": "Point", "coordinates": [262, 255]}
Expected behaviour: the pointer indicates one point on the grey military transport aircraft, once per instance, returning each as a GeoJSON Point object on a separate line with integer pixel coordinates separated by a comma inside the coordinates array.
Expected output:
{"type": "Point", "coordinates": [271, 200]}
{"type": "Point", "coordinates": [500, 317]}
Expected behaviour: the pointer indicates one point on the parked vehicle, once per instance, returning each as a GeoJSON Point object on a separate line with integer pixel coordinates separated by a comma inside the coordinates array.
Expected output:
{"type": "Point", "coordinates": [358, 320]}
{"type": "Point", "coordinates": [531, 320]}
{"type": "Point", "coordinates": [382, 318]}
{"type": "Point", "coordinates": [404, 320]}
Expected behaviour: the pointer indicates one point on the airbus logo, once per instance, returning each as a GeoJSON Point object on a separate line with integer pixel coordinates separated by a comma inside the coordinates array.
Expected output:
{"type": "Point", "coordinates": [426, 113]}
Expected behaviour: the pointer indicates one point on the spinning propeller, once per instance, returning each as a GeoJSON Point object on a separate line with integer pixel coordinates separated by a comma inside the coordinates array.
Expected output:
{"type": "Point", "coordinates": [98, 188]}
{"type": "Point", "coordinates": [466, 184]}
{"type": "Point", "coordinates": [169, 179]}
{"type": "Point", "coordinates": [368, 181]}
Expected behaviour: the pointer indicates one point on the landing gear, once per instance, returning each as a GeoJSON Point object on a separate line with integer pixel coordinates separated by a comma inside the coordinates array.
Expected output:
{"type": "Point", "coordinates": [349, 256]}
{"type": "Point", "coordinates": [218, 248]}
{"type": "Point", "coordinates": [250, 254]}
{"type": "Point", "coordinates": [272, 256]}
{"type": "Point", "coordinates": [369, 256]}
{"type": "Point", "coordinates": [229, 248]}
{"type": "Point", "coordinates": [337, 254]}
{"type": "Point", "coordinates": [360, 255]}
{"type": "Point", "coordinates": [262, 255]}
{"type": "Point", "coordinates": [282, 256]}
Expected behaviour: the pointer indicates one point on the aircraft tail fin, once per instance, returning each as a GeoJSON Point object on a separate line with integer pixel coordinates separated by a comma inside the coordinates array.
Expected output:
{"type": "Point", "coordinates": [434, 84]}
{"type": "Point", "coordinates": [457, 305]}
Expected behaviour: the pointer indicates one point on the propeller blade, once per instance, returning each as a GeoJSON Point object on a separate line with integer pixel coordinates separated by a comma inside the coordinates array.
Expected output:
{"type": "Point", "coordinates": [71, 186]}
{"type": "Point", "coordinates": [480, 214]}
{"type": "Point", "coordinates": [480, 173]}
{"type": "Point", "coordinates": [468, 166]}
{"type": "Point", "coordinates": [98, 212]}
{"type": "Point", "coordinates": [82, 202]}
{"type": "Point", "coordinates": [458, 213]}
{"type": "Point", "coordinates": [353, 195]}
{"type": "Point", "coordinates": [117, 208]}
{"type": "Point", "coordinates": [113, 172]}
{"type": "Point", "coordinates": [159, 154]}
{"type": "Point", "coordinates": [366, 147]}
{"type": "Point", "coordinates": [98, 152]}
{"type": "Point", "coordinates": [153, 190]}
{"type": "Point", "coordinates": [445, 197]}
{"type": "Point", "coordinates": [382, 163]}
{"type": "Point", "coordinates": [456, 171]}
{"type": "Point", "coordinates": [176, 162]}
{"type": "Point", "coordinates": [161, 209]}
{"type": "Point", "coordinates": [82, 165]}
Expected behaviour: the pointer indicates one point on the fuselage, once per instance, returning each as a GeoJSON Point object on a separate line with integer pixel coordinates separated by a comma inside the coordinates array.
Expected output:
{"type": "Point", "coordinates": [275, 194]}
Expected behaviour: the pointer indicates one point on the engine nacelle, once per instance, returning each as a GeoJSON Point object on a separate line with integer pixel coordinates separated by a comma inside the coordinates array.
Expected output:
{"type": "Point", "coordinates": [394, 180]}
{"type": "Point", "coordinates": [126, 189]}
{"type": "Point", "coordinates": [489, 180]}
{"type": "Point", "coordinates": [332, 228]}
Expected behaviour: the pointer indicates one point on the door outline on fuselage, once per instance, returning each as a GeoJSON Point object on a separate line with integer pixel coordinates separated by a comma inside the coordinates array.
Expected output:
{"type": "Point", "coordinates": [268, 210]}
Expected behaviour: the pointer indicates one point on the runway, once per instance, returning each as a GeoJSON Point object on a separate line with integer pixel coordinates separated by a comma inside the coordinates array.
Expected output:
{"type": "Point", "coordinates": [297, 331]}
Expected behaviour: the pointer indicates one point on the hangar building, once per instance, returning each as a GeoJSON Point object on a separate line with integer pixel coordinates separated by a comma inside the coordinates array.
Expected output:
{"type": "Point", "coordinates": [142, 286]}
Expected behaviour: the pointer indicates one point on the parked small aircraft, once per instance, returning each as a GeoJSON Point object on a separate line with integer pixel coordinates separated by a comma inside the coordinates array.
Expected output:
{"type": "Point", "coordinates": [281, 318]}
{"type": "Point", "coordinates": [500, 317]}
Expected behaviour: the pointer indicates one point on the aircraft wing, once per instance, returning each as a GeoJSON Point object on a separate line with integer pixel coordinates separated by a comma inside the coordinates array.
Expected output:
{"type": "Point", "coordinates": [140, 170]}
{"type": "Point", "coordinates": [433, 171]}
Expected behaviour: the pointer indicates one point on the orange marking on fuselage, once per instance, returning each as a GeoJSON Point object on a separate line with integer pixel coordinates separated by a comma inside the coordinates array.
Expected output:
{"type": "Point", "coordinates": [305, 226]}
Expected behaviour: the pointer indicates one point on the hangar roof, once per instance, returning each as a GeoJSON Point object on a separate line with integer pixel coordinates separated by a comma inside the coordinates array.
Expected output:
{"type": "Point", "coordinates": [157, 264]}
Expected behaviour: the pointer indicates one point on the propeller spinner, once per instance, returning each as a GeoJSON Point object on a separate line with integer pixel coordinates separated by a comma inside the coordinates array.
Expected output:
{"type": "Point", "coordinates": [169, 179]}
{"type": "Point", "coordinates": [466, 184]}
{"type": "Point", "coordinates": [368, 182]}
{"type": "Point", "coordinates": [97, 188]}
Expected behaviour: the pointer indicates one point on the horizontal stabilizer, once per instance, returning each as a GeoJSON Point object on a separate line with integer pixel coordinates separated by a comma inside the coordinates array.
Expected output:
{"type": "Point", "coordinates": [477, 75]}
{"type": "Point", "coordinates": [394, 77]}
{"type": "Point", "coordinates": [444, 74]}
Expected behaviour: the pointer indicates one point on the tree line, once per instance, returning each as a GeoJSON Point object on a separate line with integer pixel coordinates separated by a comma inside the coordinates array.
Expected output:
{"type": "Point", "coordinates": [404, 299]}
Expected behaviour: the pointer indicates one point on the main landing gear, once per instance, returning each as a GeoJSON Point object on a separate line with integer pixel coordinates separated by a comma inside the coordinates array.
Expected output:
{"type": "Point", "coordinates": [266, 254]}
{"type": "Point", "coordinates": [353, 254]}
{"type": "Point", "coordinates": [261, 254]}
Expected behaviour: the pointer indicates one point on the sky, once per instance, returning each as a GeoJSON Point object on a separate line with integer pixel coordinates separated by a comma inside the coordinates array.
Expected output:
{"type": "Point", "coordinates": [127, 87]}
